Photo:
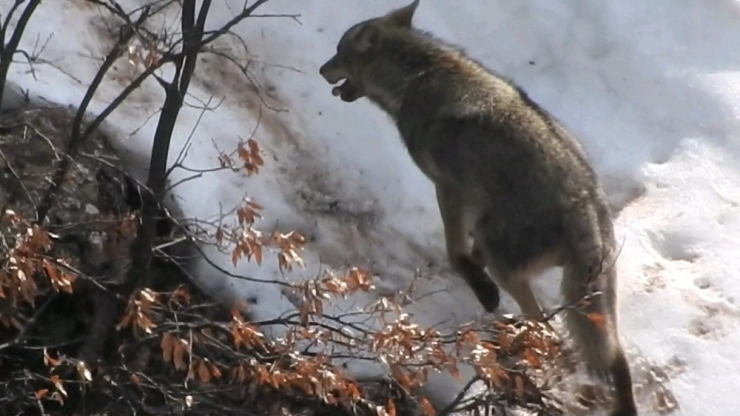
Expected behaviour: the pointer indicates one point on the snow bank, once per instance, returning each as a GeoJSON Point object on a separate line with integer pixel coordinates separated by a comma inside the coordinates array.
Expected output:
{"type": "Point", "coordinates": [650, 87]}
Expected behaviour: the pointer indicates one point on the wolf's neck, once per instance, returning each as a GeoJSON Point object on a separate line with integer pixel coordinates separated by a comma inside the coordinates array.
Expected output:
{"type": "Point", "coordinates": [388, 83]}
{"type": "Point", "coordinates": [407, 61]}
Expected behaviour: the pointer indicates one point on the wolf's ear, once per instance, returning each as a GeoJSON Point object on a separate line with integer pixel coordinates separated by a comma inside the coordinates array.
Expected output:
{"type": "Point", "coordinates": [401, 17]}
{"type": "Point", "coordinates": [366, 38]}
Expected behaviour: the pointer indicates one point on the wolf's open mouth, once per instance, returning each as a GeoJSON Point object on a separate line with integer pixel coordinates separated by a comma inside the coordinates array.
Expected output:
{"type": "Point", "coordinates": [347, 91]}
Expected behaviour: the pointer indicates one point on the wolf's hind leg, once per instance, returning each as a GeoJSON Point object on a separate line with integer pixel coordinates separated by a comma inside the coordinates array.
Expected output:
{"type": "Point", "coordinates": [459, 253]}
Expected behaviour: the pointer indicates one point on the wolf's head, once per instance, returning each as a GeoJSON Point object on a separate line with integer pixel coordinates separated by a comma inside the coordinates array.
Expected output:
{"type": "Point", "coordinates": [360, 48]}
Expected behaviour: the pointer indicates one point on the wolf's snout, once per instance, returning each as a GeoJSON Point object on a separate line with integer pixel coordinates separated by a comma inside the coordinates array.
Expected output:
{"type": "Point", "coordinates": [331, 71]}
{"type": "Point", "coordinates": [322, 70]}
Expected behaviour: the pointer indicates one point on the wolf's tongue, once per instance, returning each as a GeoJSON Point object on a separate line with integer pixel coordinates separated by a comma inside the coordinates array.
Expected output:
{"type": "Point", "coordinates": [337, 91]}
{"type": "Point", "coordinates": [347, 91]}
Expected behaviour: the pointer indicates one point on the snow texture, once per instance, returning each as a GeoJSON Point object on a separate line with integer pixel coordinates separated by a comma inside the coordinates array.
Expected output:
{"type": "Point", "coordinates": [651, 88]}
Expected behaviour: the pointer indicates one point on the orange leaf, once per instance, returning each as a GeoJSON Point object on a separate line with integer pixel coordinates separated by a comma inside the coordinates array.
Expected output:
{"type": "Point", "coordinates": [257, 159]}
{"type": "Point", "coordinates": [48, 360]}
{"type": "Point", "coordinates": [58, 384]}
{"type": "Point", "coordinates": [243, 154]}
{"type": "Point", "coordinates": [254, 205]}
{"type": "Point", "coordinates": [495, 377]}
{"type": "Point", "coordinates": [519, 389]}
{"type": "Point", "coordinates": [253, 146]}
{"type": "Point", "coordinates": [215, 372]}
{"type": "Point", "coordinates": [203, 373]}
{"type": "Point", "coordinates": [390, 408]}
{"type": "Point", "coordinates": [598, 319]}
{"type": "Point", "coordinates": [531, 358]}
{"type": "Point", "coordinates": [167, 345]}
{"type": "Point", "coordinates": [51, 272]}
{"type": "Point", "coordinates": [235, 255]}
{"type": "Point", "coordinates": [257, 249]}
{"type": "Point", "coordinates": [178, 353]}
{"type": "Point", "coordinates": [353, 391]}
{"type": "Point", "coordinates": [427, 407]}
{"type": "Point", "coordinates": [404, 380]}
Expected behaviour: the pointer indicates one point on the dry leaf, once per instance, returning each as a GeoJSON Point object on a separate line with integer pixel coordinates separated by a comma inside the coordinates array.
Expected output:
{"type": "Point", "coordinates": [167, 345]}
{"type": "Point", "coordinates": [257, 250]}
{"type": "Point", "coordinates": [519, 388]}
{"type": "Point", "coordinates": [235, 255]}
{"type": "Point", "coordinates": [253, 146]}
{"type": "Point", "coordinates": [41, 393]}
{"type": "Point", "coordinates": [83, 371]}
{"type": "Point", "coordinates": [390, 408]}
{"type": "Point", "coordinates": [203, 373]}
{"type": "Point", "coordinates": [531, 357]}
{"type": "Point", "coordinates": [427, 408]}
{"type": "Point", "coordinates": [58, 384]}
{"type": "Point", "coordinates": [178, 354]}
{"type": "Point", "coordinates": [598, 319]}
{"type": "Point", "coordinates": [49, 361]}
{"type": "Point", "coordinates": [215, 372]}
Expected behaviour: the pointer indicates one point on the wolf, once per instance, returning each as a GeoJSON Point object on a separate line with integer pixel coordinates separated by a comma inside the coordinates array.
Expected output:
{"type": "Point", "coordinates": [508, 175]}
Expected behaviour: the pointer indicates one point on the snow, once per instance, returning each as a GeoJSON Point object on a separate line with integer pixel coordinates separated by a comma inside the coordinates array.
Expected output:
{"type": "Point", "coordinates": [651, 89]}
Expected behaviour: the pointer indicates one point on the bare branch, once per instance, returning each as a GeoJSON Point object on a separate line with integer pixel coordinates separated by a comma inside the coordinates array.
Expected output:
{"type": "Point", "coordinates": [9, 49]}
{"type": "Point", "coordinates": [78, 136]}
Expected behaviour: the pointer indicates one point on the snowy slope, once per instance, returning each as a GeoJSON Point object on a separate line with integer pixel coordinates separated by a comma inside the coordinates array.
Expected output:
{"type": "Point", "coordinates": [650, 87]}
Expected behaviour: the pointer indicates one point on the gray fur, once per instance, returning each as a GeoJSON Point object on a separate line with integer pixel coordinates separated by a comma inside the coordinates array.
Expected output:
{"type": "Point", "coordinates": [506, 172]}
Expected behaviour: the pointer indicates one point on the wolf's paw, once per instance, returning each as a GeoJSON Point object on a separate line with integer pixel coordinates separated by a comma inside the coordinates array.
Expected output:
{"type": "Point", "coordinates": [488, 295]}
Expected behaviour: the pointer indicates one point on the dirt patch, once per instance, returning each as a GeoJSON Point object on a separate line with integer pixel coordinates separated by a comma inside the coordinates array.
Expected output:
{"type": "Point", "coordinates": [231, 73]}
{"type": "Point", "coordinates": [103, 24]}
{"type": "Point", "coordinates": [228, 71]}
